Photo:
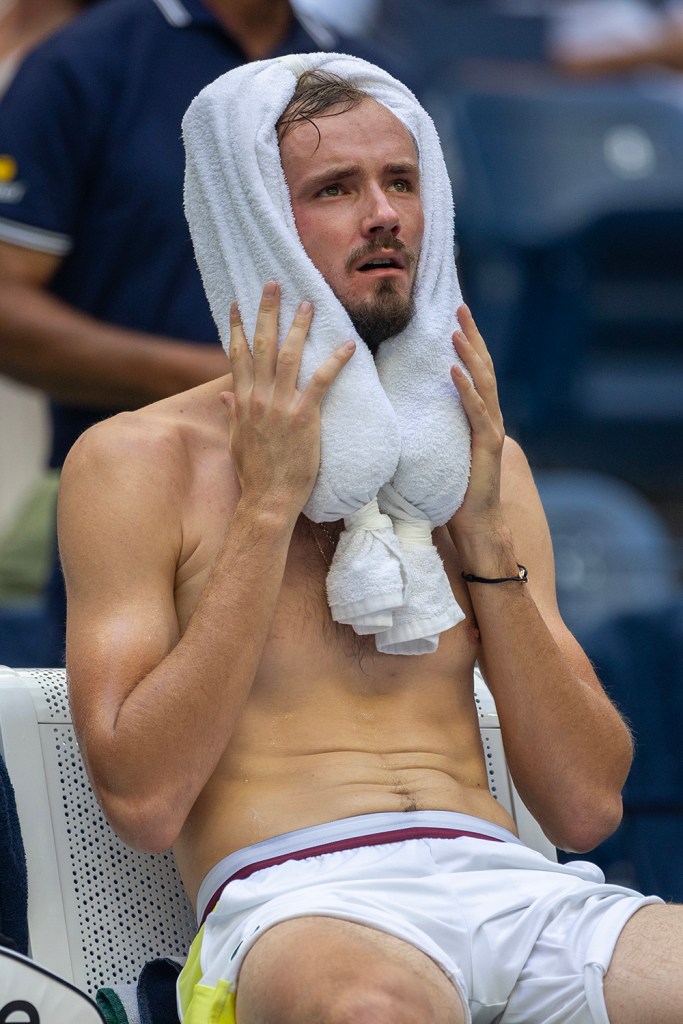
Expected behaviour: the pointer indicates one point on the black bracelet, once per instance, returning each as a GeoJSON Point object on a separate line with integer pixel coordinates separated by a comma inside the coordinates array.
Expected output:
{"type": "Point", "coordinates": [521, 577]}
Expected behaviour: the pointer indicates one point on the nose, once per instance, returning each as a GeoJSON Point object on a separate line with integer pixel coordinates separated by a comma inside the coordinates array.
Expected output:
{"type": "Point", "coordinates": [380, 215]}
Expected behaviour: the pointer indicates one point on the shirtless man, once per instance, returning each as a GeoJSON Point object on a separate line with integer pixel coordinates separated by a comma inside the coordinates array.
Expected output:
{"type": "Point", "coordinates": [218, 706]}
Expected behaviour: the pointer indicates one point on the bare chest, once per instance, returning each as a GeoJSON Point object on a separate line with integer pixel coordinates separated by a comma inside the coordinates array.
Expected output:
{"type": "Point", "coordinates": [304, 642]}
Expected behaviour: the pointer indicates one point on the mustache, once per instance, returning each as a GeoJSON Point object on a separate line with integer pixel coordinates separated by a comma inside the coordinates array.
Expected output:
{"type": "Point", "coordinates": [380, 245]}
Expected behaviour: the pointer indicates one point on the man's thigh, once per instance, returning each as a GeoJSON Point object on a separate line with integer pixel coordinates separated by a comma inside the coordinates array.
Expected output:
{"type": "Point", "coordinates": [324, 970]}
{"type": "Point", "coordinates": [644, 983]}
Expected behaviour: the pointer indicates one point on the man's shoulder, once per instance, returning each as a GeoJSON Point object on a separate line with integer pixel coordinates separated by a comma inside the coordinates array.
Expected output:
{"type": "Point", "coordinates": [128, 453]}
{"type": "Point", "coordinates": [154, 443]}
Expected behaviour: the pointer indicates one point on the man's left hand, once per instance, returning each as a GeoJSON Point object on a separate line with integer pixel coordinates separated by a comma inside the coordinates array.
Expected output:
{"type": "Point", "coordinates": [480, 511]}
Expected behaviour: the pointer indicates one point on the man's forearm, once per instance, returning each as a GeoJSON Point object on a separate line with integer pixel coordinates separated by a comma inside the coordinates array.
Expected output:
{"type": "Point", "coordinates": [77, 359]}
{"type": "Point", "coordinates": [568, 749]}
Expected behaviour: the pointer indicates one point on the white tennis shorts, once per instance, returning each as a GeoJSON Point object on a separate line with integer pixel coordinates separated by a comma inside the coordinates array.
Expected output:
{"type": "Point", "coordinates": [524, 940]}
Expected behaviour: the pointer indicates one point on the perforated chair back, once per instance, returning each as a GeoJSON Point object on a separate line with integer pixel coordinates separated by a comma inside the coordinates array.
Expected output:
{"type": "Point", "coordinates": [500, 781]}
{"type": "Point", "coordinates": [98, 911]}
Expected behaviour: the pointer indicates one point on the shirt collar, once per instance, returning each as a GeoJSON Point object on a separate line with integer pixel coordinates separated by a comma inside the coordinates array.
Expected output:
{"type": "Point", "coordinates": [175, 12]}
{"type": "Point", "coordinates": [305, 30]}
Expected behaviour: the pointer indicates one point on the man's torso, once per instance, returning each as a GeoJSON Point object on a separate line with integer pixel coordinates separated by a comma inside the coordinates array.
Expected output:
{"type": "Point", "coordinates": [331, 728]}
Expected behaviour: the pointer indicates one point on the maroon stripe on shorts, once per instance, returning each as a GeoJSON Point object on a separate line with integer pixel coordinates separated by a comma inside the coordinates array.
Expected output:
{"type": "Point", "coordinates": [352, 843]}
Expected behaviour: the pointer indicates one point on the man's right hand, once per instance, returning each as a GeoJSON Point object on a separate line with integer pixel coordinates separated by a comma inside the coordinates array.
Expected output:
{"type": "Point", "coordinates": [274, 426]}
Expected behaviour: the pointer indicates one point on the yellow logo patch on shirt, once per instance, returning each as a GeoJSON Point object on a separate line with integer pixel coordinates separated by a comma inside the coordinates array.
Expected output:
{"type": "Point", "coordinates": [8, 167]}
{"type": "Point", "coordinates": [11, 190]}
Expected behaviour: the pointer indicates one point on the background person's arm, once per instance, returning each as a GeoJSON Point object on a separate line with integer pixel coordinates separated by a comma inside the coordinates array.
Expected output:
{"type": "Point", "coordinates": [662, 47]}
{"type": "Point", "coordinates": [568, 749]}
{"type": "Point", "coordinates": [80, 360]}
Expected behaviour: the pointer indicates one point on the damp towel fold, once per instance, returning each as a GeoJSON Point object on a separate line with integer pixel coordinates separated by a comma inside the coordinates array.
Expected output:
{"type": "Point", "coordinates": [150, 1000]}
{"type": "Point", "coordinates": [395, 443]}
{"type": "Point", "coordinates": [119, 1004]}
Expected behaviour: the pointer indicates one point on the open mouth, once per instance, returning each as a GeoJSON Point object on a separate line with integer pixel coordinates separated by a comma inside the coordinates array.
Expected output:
{"type": "Point", "coordinates": [381, 263]}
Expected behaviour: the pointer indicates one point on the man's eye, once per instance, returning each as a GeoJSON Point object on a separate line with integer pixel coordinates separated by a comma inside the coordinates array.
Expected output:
{"type": "Point", "coordinates": [330, 190]}
{"type": "Point", "coordinates": [400, 185]}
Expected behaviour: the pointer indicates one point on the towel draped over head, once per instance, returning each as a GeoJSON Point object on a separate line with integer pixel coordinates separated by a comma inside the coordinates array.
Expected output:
{"type": "Point", "coordinates": [395, 441]}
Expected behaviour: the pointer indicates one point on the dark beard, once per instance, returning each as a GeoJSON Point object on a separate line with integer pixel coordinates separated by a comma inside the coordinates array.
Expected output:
{"type": "Point", "coordinates": [385, 315]}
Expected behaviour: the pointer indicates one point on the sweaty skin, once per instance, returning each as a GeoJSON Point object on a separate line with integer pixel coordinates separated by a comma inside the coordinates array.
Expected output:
{"type": "Point", "coordinates": [331, 728]}
{"type": "Point", "coordinates": [215, 701]}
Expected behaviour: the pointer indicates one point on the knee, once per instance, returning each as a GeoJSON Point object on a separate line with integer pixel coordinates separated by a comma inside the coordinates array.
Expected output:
{"type": "Point", "coordinates": [348, 975]}
{"type": "Point", "coordinates": [363, 1000]}
{"type": "Point", "coordinates": [384, 1000]}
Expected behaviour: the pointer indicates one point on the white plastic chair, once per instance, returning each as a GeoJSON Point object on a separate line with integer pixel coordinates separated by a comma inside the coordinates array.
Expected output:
{"type": "Point", "coordinates": [98, 911]}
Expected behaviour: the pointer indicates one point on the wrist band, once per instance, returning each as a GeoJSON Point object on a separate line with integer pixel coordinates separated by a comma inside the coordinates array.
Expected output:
{"type": "Point", "coordinates": [521, 577]}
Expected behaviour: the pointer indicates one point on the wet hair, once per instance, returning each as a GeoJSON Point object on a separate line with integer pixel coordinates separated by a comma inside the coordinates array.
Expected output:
{"type": "Point", "coordinates": [318, 94]}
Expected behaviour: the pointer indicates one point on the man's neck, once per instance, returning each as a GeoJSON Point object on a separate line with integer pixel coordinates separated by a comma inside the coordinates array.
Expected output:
{"type": "Point", "coordinates": [259, 26]}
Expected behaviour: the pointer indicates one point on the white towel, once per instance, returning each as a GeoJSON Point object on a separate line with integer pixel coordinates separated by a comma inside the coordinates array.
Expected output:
{"type": "Point", "coordinates": [395, 421]}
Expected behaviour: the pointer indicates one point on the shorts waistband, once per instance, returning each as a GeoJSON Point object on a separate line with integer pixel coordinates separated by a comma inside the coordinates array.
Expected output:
{"type": "Point", "coordinates": [343, 834]}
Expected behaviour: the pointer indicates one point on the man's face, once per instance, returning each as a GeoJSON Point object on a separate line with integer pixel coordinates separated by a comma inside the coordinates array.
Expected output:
{"type": "Point", "coordinates": [355, 194]}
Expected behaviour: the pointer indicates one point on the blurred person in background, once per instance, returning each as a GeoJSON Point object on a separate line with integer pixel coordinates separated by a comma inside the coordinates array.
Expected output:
{"type": "Point", "coordinates": [101, 302]}
{"type": "Point", "coordinates": [353, 17]}
{"type": "Point", "coordinates": [24, 24]}
{"type": "Point", "coordinates": [27, 493]}
{"type": "Point", "coordinates": [595, 37]}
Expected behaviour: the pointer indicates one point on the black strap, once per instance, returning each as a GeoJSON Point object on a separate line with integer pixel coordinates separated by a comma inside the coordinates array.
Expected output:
{"type": "Point", "coordinates": [521, 577]}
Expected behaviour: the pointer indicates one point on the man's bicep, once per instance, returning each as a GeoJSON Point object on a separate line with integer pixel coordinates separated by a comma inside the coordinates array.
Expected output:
{"type": "Point", "coordinates": [119, 549]}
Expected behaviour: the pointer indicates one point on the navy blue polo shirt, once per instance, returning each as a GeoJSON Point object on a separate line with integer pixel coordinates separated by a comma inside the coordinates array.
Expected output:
{"type": "Point", "coordinates": [92, 163]}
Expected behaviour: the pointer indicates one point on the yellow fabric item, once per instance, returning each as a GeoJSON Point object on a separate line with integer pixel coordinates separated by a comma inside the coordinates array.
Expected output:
{"type": "Point", "coordinates": [211, 1005]}
{"type": "Point", "coordinates": [191, 973]}
{"type": "Point", "coordinates": [202, 1004]}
